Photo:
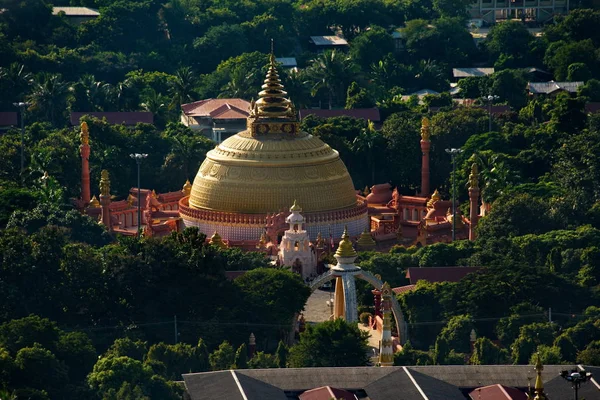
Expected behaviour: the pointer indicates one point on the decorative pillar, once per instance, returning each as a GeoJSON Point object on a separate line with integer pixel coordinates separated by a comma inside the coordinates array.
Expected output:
{"type": "Point", "coordinates": [473, 200]}
{"type": "Point", "coordinates": [105, 199]}
{"type": "Point", "coordinates": [345, 271]}
{"type": "Point", "coordinates": [539, 382]}
{"type": "Point", "coordinates": [425, 147]}
{"type": "Point", "coordinates": [84, 150]}
{"type": "Point", "coordinates": [377, 302]}
{"type": "Point", "coordinates": [251, 345]}
{"type": "Point", "coordinates": [472, 340]}
{"type": "Point", "coordinates": [386, 350]}
{"type": "Point", "coordinates": [338, 307]}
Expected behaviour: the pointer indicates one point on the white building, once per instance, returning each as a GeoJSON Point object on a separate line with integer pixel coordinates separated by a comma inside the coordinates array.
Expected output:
{"type": "Point", "coordinates": [295, 250]}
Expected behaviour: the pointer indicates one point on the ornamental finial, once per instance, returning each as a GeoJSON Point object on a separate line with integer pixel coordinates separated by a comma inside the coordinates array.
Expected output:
{"type": "Point", "coordinates": [474, 177]}
{"type": "Point", "coordinates": [295, 207]}
{"type": "Point", "coordinates": [104, 183]}
{"type": "Point", "coordinates": [345, 248]}
{"type": "Point", "coordinates": [84, 136]}
{"type": "Point", "coordinates": [272, 102]}
{"type": "Point", "coordinates": [187, 188]}
{"type": "Point", "coordinates": [425, 129]}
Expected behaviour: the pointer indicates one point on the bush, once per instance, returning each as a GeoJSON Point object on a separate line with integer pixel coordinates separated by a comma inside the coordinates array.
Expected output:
{"type": "Point", "coordinates": [365, 318]}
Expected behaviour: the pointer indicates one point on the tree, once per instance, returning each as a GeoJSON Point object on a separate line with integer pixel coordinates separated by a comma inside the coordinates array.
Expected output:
{"type": "Point", "coordinates": [262, 360]}
{"type": "Point", "coordinates": [223, 357]}
{"type": "Point", "coordinates": [530, 337]}
{"type": "Point", "coordinates": [39, 369]}
{"type": "Point", "coordinates": [125, 347]}
{"type": "Point", "coordinates": [457, 333]}
{"type": "Point", "coordinates": [241, 357]}
{"type": "Point", "coordinates": [274, 295]}
{"type": "Point", "coordinates": [511, 39]}
{"type": "Point", "coordinates": [76, 350]}
{"type": "Point", "coordinates": [49, 97]}
{"type": "Point", "coordinates": [182, 87]}
{"type": "Point", "coordinates": [331, 72]}
{"type": "Point", "coordinates": [219, 43]}
{"type": "Point", "coordinates": [590, 355]}
{"type": "Point", "coordinates": [451, 8]}
{"type": "Point", "coordinates": [578, 72]}
{"type": "Point", "coordinates": [485, 352]}
{"type": "Point", "coordinates": [363, 46]}
{"type": "Point", "coordinates": [330, 344]}
{"type": "Point", "coordinates": [548, 355]}
{"type": "Point", "coordinates": [26, 332]}
{"type": "Point", "coordinates": [178, 359]}
{"type": "Point", "coordinates": [561, 54]}
{"type": "Point", "coordinates": [282, 354]}
{"type": "Point", "coordinates": [510, 86]}
{"type": "Point", "coordinates": [590, 90]}
{"type": "Point", "coordinates": [368, 142]}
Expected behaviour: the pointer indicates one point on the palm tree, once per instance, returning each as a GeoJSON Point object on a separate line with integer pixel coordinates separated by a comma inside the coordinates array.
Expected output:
{"type": "Point", "coordinates": [14, 82]}
{"type": "Point", "coordinates": [92, 95]}
{"type": "Point", "coordinates": [182, 87]}
{"type": "Point", "coordinates": [49, 96]}
{"type": "Point", "coordinates": [127, 97]}
{"type": "Point", "coordinates": [366, 142]}
{"type": "Point", "coordinates": [240, 85]}
{"type": "Point", "coordinates": [297, 87]}
{"type": "Point", "coordinates": [332, 72]}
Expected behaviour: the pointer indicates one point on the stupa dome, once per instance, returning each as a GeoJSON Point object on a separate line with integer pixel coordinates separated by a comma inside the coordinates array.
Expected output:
{"type": "Point", "coordinates": [267, 167]}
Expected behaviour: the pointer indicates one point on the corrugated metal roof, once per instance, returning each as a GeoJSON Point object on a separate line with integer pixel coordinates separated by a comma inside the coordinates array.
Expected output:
{"type": "Point", "coordinates": [287, 62]}
{"type": "Point", "coordinates": [469, 72]}
{"type": "Point", "coordinates": [551, 86]}
{"type": "Point", "coordinates": [76, 11]}
{"type": "Point", "coordinates": [328, 41]}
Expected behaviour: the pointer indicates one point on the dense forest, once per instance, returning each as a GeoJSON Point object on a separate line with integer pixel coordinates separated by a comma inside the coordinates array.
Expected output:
{"type": "Point", "coordinates": [92, 316]}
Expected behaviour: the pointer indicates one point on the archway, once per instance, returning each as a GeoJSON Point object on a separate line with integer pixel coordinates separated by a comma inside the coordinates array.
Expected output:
{"type": "Point", "coordinates": [376, 283]}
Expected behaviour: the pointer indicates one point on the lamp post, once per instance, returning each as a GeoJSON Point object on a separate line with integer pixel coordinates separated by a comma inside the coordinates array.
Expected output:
{"type": "Point", "coordinates": [21, 106]}
{"type": "Point", "coordinates": [453, 152]}
{"type": "Point", "coordinates": [576, 377]}
{"type": "Point", "coordinates": [138, 160]}
{"type": "Point", "coordinates": [490, 100]}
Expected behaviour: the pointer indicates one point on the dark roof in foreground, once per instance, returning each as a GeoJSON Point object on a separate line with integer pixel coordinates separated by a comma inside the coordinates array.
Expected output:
{"type": "Point", "coordinates": [117, 118]}
{"type": "Point", "coordinates": [8, 118]}
{"type": "Point", "coordinates": [439, 274]}
{"type": "Point", "coordinates": [398, 383]}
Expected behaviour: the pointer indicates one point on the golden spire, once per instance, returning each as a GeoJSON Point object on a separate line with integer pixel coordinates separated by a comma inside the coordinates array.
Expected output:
{"type": "Point", "coordinates": [345, 248]}
{"type": "Point", "coordinates": [187, 188]}
{"type": "Point", "coordinates": [539, 383]}
{"type": "Point", "coordinates": [84, 136]}
{"type": "Point", "coordinates": [216, 240]}
{"type": "Point", "coordinates": [435, 197]}
{"type": "Point", "coordinates": [272, 102]}
{"type": "Point", "coordinates": [295, 207]}
{"type": "Point", "coordinates": [262, 242]}
{"type": "Point", "coordinates": [104, 183]}
{"type": "Point", "coordinates": [94, 203]}
{"type": "Point", "coordinates": [320, 242]}
{"type": "Point", "coordinates": [130, 199]}
{"type": "Point", "coordinates": [425, 129]}
{"type": "Point", "coordinates": [474, 177]}
{"type": "Point", "coordinates": [365, 241]}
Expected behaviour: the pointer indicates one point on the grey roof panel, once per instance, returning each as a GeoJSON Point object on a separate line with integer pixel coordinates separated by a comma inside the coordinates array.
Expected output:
{"type": "Point", "coordinates": [212, 385]}
{"type": "Point", "coordinates": [436, 389]}
{"type": "Point", "coordinates": [397, 386]}
{"type": "Point", "coordinates": [255, 389]}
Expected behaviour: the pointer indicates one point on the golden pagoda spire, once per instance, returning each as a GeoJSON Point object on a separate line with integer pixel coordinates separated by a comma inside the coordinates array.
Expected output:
{"type": "Point", "coordinates": [94, 203]}
{"type": "Point", "coordinates": [539, 383]}
{"type": "Point", "coordinates": [272, 102]}
{"type": "Point", "coordinates": [345, 248]}
{"type": "Point", "coordinates": [216, 240]}
{"type": "Point", "coordinates": [84, 136]}
{"type": "Point", "coordinates": [474, 177]}
{"type": "Point", "coordinates": [435, 197]}
{"type": "Point", "coordinates": [319, 242]}
{"type": "Point", "coordinates": [187, 188]}
{"type": "Point", "coordinates": [295, 207]}
{"type": "Point", "coordinates": [425, 129]}
{"type": "Point", "coordinates": [104, 183]}
{"type": "Point", "coordinates": [365, 241]}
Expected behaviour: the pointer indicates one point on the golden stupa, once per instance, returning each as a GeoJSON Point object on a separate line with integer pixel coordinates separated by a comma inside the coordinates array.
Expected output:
{"type": "Point", "coordinates": [267, 167]}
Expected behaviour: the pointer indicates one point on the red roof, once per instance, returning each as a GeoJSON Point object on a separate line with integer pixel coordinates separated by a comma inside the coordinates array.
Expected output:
{"type": "Point", "coordinates": [326, 393]}
{"type": "Point", "coordinates": [231, 275]}
{"type": "Point", "coordinates": [497, 392]}
{"type": "Point", "coordinates": [8, 118]}
{"type": "Point", "coordinates": [117, 118]}
{"type": "Point", "coordinates": [371, 114]}
{"type": "Point", "coordinates": [403, 289]}
{"type": "Point", "coordinates": [218, 108]}
{"type": "Point", "coordinates": [592, 107]}
{"type": "Point", "coordinates": [439, 274]}
{"type": "Point", "coordinates": [421, 201]}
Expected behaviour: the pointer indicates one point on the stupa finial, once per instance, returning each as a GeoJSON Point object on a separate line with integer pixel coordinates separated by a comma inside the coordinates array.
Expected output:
{"type": "Point", "coordinates": [425, 129]}
{"type": "Point", "coordinates": [345, 248]}
{"type": "Point", "coordinates": [474, 177]}
{"type": "Point", "coordinates": [84, 136]}
{"type": "Point", "coordinates": [272, 102]}
{"type": "Point", "coordinates": [104, 183]}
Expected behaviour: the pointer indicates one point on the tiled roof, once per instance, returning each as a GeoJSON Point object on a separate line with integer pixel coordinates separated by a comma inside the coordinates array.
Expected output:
{"type": "Point", "coordinates": [469, 72]}
{"type": "Point", "coordinates": [371, 114]}
{"type": "Point", "coordinates": [551, 86]}
{"type": "Point", "coordinates": [497, 392]}
{"type": "Point", "coordinates": [439, 274]}
{"type": "Point", "coordinates": [218, 108]}
{"type": "Point", "coordinates": [8, 118]}
{"type": "Point", "coordinates": [76, 11]}
{"type": "Point", "coordinates": [328, 41]}
{"type": "Point", "coordinates": [403, 289]}
{"type": "Point", "coordinates": [117, 118]}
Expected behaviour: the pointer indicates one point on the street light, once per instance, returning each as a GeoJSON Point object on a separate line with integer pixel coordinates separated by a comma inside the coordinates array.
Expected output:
{"type": "Point", "coordinates": [490, 100]}
{"type": "Point", "coordinates": [576, 377]}
{"type": "Point", "coordinates": [21, 106]}
{"type": "Point", "coordinates": [453, 152]}
{"type": "Point", "coordinates": [138, 160]}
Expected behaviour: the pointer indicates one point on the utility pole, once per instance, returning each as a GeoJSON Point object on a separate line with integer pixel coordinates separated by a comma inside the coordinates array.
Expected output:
{"type": "Point", "coordinates": [138, 159]}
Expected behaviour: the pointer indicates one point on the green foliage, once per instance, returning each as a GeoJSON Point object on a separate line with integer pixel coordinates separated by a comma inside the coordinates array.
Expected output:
{"type": "Point", "coordinates": [457, 332]}
{"type": "Point", "coordinates": [364, 318]}
{"type": "Point", "coordinates": [223, 357]}
{"type": "Point", "coordinates": [136, 350]}
{"type": "Point", "coordinates": [410, 356]}
{"type": "Point", "coordinates": [549, 355]}
{"type": "Point", "coordinates": [241, 357]}
{"type": "Point", "coordinates": [330, 344]}
{"type": "Point", "coordinates": [485, 352]}
{"type": "Point", "coordinates": [178, 359]}
{"type": "Point", "coordinates": [530, 338]}
{"type": "Point", "coordinates": [361, 49]}
{"type": "Point", "coordinates": [263, 360]}
{"type": "Point", "coordinates": [282, 354]}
